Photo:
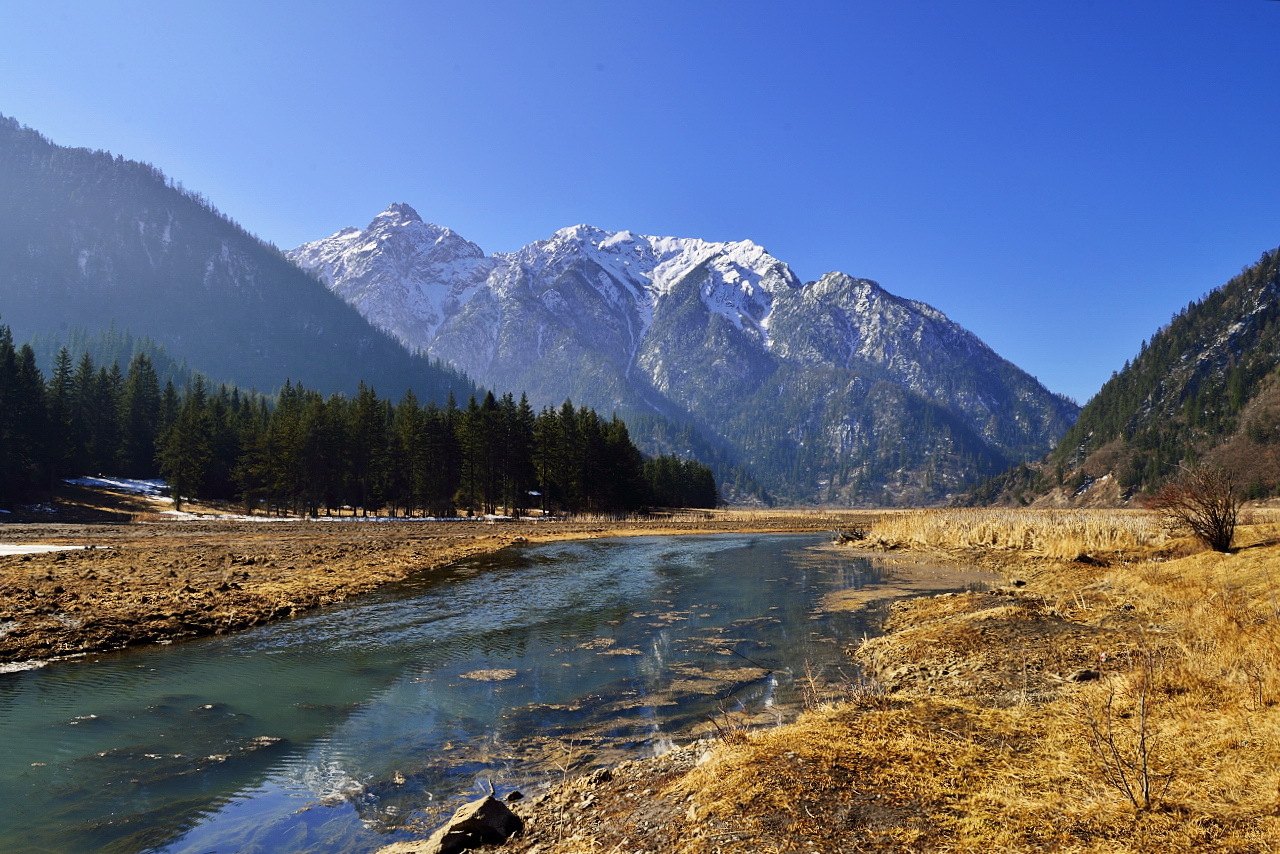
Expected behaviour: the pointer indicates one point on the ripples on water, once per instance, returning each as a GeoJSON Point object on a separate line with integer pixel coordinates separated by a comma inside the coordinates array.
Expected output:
{"type": "Point", "coordinates": [329, 732]}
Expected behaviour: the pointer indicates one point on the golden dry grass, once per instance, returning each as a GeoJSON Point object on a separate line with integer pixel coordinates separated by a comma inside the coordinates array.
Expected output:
{"type": "Point", "coordinates": [1063, 534]}
{"type": "Point", "coordinates": [937, 775]}
{"type": "Point", "coordinates": [914, 771]}
{"type": "Point", "coordinates": [958, 758]}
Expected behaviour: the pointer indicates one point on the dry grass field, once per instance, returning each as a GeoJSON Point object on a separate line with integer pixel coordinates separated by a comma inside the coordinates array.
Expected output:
{"type": "Point", "coordinates": [1063, 534]}
{"type": "Point", "coordinates": [1122, 696]}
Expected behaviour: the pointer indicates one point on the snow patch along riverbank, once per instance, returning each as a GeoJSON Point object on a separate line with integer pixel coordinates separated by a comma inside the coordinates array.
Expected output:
{"type": "Point", "coordinates": [7, 549]}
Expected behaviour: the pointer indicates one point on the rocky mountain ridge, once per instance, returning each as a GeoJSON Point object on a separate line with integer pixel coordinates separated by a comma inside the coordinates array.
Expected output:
{"type": "Point", "coordinates": [829, 390]}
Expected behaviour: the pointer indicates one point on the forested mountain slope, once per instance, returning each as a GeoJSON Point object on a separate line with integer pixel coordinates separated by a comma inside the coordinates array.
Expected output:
{"type": "Point", "coordinates": [1204, 388]}
{"type": "Point", "coordinates": [88, 238]}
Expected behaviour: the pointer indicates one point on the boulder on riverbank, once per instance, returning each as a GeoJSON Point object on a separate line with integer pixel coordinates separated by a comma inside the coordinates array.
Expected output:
{"type": "Point", "coordinates": [487, 821]}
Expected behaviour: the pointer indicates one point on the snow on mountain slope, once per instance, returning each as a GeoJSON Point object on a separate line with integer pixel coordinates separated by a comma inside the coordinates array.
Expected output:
{"type": "Point", "coordinates": [409, 277]}
{"type": "Point", "coordinates": [722, 336]}
{"type": "Point", "coordinates": [406, 276]}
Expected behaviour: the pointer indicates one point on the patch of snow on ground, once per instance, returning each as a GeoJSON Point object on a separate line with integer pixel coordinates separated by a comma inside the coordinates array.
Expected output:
{"type": "Point", "coordinates": [152, 488]}
{"type": "Point", "coordinates": [7, 549]}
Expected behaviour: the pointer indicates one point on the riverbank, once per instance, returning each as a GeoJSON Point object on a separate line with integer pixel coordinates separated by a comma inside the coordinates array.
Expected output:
{"type": "Point", "coordinates": [1129, 702]}
{"type": "Point", "coordinates": [150, 578]}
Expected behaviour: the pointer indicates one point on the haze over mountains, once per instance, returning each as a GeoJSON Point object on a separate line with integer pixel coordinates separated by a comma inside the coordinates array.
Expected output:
{"type": "Point", "coordinates": [833, 390]}
{"type": "Point", "coordinates": [89, 238]}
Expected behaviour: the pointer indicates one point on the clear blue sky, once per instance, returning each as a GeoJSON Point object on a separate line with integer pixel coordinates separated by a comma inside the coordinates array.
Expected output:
{"type": "Point", "coordinates": [1059, 176]}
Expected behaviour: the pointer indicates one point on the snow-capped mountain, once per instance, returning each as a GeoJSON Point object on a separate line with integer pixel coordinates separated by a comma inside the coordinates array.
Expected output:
{"type": "Point", "coordinates": [406, 276]}
{"type": "Point", "coordinates": [409, 276]}
{"type": "Point", "coordinates": [834, 389]}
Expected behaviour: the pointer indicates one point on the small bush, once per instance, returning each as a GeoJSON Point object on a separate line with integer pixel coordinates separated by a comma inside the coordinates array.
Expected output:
{"type": "Point", "coordinates": [1205, 501]}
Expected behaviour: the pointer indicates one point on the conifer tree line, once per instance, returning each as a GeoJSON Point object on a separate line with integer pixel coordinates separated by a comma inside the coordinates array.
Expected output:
{"type": "Point", "coordinates": [305, 453]}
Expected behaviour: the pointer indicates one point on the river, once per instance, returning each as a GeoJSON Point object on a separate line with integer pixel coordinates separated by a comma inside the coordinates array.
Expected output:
{"type": "Point", "coordinates": [338, 730]}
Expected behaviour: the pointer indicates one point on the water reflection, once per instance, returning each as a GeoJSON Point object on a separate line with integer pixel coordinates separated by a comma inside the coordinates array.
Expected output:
{"type": "Point", "coordinates": [334, 731]}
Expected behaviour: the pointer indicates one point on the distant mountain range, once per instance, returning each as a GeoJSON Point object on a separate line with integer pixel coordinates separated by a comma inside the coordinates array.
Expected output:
{"type": "Point", "coordinates": [88, 238]}
{"type": "Point", "coordinates": [827, 391]}
{"type": "Point", "coordinates": [1204, 389]}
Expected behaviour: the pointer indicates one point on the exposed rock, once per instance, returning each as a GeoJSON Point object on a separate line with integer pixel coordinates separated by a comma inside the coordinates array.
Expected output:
{"type": "Point", "coordinates": [873, 398]}
{"type": "Point", "coordinates": [487, 821]}
{"type": "Point", "coordinates": [627, 803]}
{"type": "Point", "coordinates": [853, 535]}
{"type": "Point", "coordinates": [495, 675]}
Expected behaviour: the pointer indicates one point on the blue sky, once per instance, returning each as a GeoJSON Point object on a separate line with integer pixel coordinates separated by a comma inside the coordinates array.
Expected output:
{"type": "Point", "coordinates": [1059, 176]}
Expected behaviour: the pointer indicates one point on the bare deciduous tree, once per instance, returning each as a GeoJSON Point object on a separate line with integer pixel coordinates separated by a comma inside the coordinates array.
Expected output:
{"type": "Point", "coordinates": [1205, 501]}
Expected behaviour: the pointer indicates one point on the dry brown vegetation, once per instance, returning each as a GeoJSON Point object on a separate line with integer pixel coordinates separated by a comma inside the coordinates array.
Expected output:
{"type": "Point", "coordinates": [1123, 695]}
{"type": "Point", "coordinates": [1128, 707]}
{"type": "Point", "coordinates": [1063, 534]}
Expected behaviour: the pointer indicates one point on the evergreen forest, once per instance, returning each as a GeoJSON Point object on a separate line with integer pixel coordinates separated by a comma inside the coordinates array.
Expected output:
{"type": "Point", "coordinates": [1189, 388]}
{"type": "Point", "coordinates": [304, 453]}
{"type": "Point", "coordinates": [1204, 389]}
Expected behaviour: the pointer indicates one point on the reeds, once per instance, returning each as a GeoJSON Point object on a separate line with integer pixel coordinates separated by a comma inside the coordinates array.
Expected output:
{"type": "Point", "coordinates": [1065, 534]}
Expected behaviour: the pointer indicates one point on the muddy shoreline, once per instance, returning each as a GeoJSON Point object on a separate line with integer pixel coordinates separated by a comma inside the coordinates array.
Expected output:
{"type": "Point", "coordinates": [157, 581]}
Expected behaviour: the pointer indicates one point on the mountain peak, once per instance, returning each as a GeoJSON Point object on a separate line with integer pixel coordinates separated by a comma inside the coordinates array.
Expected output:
{"type": "Point", "coordinates": [397, 213]}
{"type": "Point", "coordinates": [722, 336]}
{"type": "Point", "coordinates": [583, 233]}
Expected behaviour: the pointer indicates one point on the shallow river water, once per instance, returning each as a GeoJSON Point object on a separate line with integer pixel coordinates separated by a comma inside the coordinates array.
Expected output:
{"type": "Point", "coordinates": [334, 731]}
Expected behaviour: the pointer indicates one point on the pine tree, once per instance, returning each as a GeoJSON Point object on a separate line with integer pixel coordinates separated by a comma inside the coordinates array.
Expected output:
{"type": "Point", "coordinates": [23, 426]}
{"type": "Point", "coordinates": [9, 438]}
{"type": "Point", "coordinates": [368, 442]}
{"type": "Point", "coordinates": [84, 394]}
{"type": "Point", "coordinates": [108, 386]}
{"type": "Point", "coordinates": [518, 451]}
{"type": "Point", "coordinates": [66, 437]}
{"type": "Point", "coordinates": [408, 454]}
{"type": "Point", "coordinates": [471, 444]}
{"type": "Point", "coordinates": [140, 419]}
{"type": "Point", "coordinates": [187, 451]}
{"type": "Point", "coordinates": [546, 457]}
{"type": "Point", "coordinates": [621, 469]}
{"type": "Point", "coordinates": [170, 403]}
{"type": "Point", "coordinates": [440, 460]}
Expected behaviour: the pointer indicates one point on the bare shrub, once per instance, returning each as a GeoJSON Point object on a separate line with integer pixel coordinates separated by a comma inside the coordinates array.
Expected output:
{"type": "Point", "coordinates": [1204, 501]}
{"type": "Point", "coordinates": [1121, 735]}
{"type": "Point", "coordinates": [730, 727]}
